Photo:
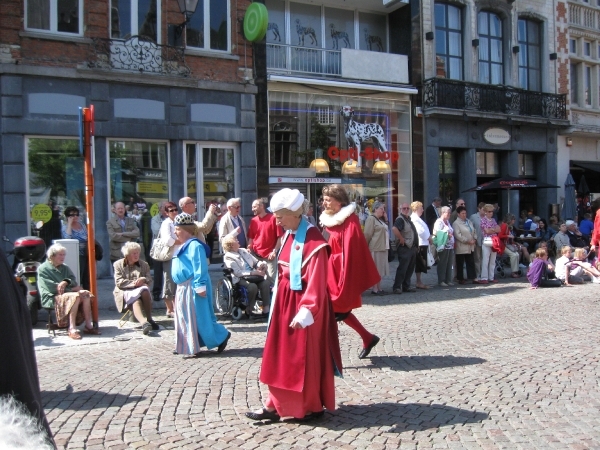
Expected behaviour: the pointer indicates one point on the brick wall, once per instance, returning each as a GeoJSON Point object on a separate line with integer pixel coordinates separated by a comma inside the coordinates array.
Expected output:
{"type": "Point", "coordinates": [17, 46]}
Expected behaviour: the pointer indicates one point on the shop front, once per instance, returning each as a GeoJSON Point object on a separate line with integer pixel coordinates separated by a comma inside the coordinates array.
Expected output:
{"type": "Point", "coordinates": [462, 154]}
{"type": "Point", "coordinates": [320, 135]}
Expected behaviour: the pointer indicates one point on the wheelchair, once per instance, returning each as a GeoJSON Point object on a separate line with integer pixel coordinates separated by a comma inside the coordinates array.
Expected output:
{"type": "Point", "coordinates": [231, 299]}
{"type": "Point", "coordinates": [503, 266]}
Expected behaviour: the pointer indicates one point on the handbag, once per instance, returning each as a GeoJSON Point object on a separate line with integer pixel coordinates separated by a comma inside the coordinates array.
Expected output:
{"type": "Point", "coordinates": [488, 241]}
{"type": "Point", "coordinates": [391, 254]}
{"type": "Point", "coordinates": [161, 251]}
{"type": "Point", "coordinates": [99, 251]}
{"type": "Point", "coordinates": [430, 258]}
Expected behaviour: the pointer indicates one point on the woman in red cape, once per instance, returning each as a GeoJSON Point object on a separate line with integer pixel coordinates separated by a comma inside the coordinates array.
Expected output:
{"type": "Point", "coordinates": [302, 351]}
{"type": "Point", "coordinates": [351, 266]}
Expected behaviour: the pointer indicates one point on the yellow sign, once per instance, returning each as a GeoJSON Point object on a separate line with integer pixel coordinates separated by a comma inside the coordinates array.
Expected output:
{"type": "Point", "coordinates": [215, 186]}
{"type": "Point", "coordinates": [191, 187]}
{"type": "Point", "coordinates": [154, 209]}
{"type": "Point", "coordinates": [148, 187]}
{"type": "Point", "coordinates": [41, 212]}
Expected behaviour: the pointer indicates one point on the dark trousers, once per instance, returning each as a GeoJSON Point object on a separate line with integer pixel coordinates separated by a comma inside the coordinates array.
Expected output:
{"type": "Point", "coordinates": [158, 279]}
{"type": "Point", "coordinates": [469, 260]}
{"type": "Point", "coordinates": [549, 279]}
{"type": "Point", "coordinates": [407, 258]}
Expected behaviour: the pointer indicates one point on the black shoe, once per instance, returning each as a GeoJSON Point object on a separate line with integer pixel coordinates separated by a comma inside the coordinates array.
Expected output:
{"type": "Point", "coordinates": [264, 415]}
{"type": "Point", "coordinates": [155, 326]}
{"type": "Point", "coordinates": [223, 344]}
{"type": "Point", "coordinates": [365, 351]}
{"type": "Point", "coordinates": [311, 416]}
{"type": "Point", "coordinates": [409, 289]}
{"type": "Point", "coordinates": [146, 328]}
{"type": "Point", "coordinates": [397, 291]}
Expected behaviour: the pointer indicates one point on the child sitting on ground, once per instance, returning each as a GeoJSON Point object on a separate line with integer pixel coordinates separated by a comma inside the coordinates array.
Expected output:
{"type": "Point", "coordinates": [566, 273]}
{"type": "Point", "coordinates": [541, 271]}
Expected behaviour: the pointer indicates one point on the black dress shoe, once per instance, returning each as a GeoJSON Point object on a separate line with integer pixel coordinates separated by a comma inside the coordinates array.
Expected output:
{"type": "Point", "coordinates": [311, 416]}
{"type": "Point", "coordinates": [223, 344]}
{"type": "Point", "coordinates": [365, 351]}
{"type": "Point", "coordinates": [264, 415]}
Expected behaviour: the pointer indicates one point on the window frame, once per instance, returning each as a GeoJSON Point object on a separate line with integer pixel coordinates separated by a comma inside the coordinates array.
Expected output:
{"type": "Point", "coordinates": [134, 15]}
{"type": "Point", "coordinates": [206, 31]}
{"type": "Point", "coordinates": [491, 38]}
{"type": "Point", "coordinates": [447, 31]}
{"type": "Point", "coordinates": [524, 49]}
{"type": "Point", "coordinates": [54, 20]}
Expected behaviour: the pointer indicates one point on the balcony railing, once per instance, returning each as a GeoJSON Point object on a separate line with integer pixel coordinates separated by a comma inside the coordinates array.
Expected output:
{"type": "Point", "coordinates": [137, 54]}
{"type": "Point", "coordinates": [293, 59]}
{"type": "Point", "coordinates": [584, 16]}
{"type": "Point", "coordinates": [444, 93]}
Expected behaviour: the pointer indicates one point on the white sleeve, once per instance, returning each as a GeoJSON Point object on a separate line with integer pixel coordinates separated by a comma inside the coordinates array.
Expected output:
{"type": "Point", "coordinates": [304, 317]}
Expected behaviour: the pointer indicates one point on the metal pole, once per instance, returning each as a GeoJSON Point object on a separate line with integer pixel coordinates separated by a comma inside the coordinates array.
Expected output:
{"type": "Point", "coordinates": [88, 121]}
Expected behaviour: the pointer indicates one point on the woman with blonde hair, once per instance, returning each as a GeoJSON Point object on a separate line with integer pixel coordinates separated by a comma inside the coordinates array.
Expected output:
{"type": "Point", "coordinates": [424, 240]}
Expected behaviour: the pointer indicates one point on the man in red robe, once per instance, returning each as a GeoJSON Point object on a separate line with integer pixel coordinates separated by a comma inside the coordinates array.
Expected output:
{"type": "Point", "coordinates": [302, 351]}
{"type": "Point", "coordinates": [351, 267]}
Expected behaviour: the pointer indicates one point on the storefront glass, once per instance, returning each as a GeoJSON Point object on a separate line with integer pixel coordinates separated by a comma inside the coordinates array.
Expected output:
{"type": "Point", "coordinates": [55, 182]}
{"type": "Point", "coordinates": [139, 178]}
{"type": "Point", "coordinates": [373, 134]}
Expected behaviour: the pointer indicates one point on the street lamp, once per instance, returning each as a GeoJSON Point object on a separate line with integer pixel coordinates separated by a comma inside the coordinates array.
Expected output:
{"type": "Point", "coordinates": [187, 8]}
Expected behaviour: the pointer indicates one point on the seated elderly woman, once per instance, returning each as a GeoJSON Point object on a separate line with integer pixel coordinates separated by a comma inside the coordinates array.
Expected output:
{"type": "Point", "coordinates": [132, 286]}
{"type": "Point", "coordinates": [59, 290]}
{"type": "Point", "coordinates": [248, 272]}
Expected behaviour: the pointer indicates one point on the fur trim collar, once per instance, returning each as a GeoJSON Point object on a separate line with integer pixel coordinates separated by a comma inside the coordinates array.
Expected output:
{"type": "Point", "coordinates": [338, 218]}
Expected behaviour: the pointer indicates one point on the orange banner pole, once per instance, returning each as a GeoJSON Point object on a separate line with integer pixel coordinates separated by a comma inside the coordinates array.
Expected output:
{"type": "Point", "coordinates": [88, 123]}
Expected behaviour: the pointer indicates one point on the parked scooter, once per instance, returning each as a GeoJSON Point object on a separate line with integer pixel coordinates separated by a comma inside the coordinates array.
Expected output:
{"type": "Point", "coordinates": [28, 253]}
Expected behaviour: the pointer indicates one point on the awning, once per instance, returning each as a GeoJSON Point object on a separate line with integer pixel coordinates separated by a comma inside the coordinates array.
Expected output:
{"type": "Point", "coordinates": [595, 166]}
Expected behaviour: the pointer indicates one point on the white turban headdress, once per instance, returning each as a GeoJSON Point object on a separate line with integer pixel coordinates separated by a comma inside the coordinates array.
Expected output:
{"type": "Point", "coordinates": [290, 199]}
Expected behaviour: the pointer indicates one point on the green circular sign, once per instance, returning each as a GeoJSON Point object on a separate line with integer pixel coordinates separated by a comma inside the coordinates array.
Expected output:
{"type": "Point", "coordinates": [41, 212]}
{"type": "Point", "coordinates": [154, 209]}
{"type": "Point", "coordinates": [256, 21]}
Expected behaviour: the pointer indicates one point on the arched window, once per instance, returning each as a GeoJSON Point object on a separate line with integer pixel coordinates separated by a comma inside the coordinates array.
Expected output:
{"type": "Point", "coordinates": [448, 40]}
{"type": "Point", "coordinates": [490, 49]}
{"type": "Point", "coordinates": [530, 73]}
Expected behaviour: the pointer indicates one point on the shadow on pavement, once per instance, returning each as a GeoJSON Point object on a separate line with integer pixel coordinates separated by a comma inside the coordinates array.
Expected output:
{"type": "Point", "coordinates": [401, 417]}
{"type": "Point", "coordinates": [426, 362]}
{"type": "Point", "coordinates": [85, 400]}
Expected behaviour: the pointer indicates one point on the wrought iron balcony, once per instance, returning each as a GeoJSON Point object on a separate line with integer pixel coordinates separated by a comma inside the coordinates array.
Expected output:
{"type": "Point", "coordinates": [293, 59]}
{"type": "Point", "coordinates": [454, 94]}
{"type": "Point", "coordinates": [138, 54]}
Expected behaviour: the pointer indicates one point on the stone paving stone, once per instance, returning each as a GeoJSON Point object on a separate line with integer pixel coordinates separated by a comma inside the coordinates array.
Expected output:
{"type": "Point", "coordinates": [471, 367]}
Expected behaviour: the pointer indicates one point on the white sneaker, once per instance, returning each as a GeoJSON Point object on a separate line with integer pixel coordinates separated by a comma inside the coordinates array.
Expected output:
{"type": "Point", "coordinates": [596, 280]}
{"type": "Point", "coordinates": [443, 284]}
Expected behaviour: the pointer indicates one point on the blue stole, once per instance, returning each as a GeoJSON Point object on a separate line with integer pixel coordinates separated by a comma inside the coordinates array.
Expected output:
{"type": "Point", "coordinates": [296, 256]}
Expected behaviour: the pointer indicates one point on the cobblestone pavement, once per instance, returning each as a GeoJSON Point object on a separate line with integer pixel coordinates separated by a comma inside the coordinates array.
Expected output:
{"type": "Point", "coordinates": [497, 366]}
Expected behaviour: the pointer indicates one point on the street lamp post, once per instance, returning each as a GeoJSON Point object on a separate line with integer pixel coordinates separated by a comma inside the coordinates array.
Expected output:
{"type": "Point", "coordinates": [187, 8]}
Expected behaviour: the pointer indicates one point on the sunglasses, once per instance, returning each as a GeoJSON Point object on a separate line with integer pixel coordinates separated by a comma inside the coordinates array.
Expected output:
{"type": "Point", "coordinates": [172, 210]}
{"type": "Point", "coordinates": [404, 208]}
{"type": "Point", "coordinates": [236, 207]}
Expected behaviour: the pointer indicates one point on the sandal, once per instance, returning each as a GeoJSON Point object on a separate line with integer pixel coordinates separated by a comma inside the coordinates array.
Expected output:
{"type": "Point", "coordinates": [74, 334]}
{"type": "Point", "coordinates": [422, 286]}
{"type": "Point", "coordinates": [93, 331]}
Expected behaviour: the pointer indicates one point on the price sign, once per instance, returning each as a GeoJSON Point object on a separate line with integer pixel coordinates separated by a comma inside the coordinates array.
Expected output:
{"type": "Point", "coordinates": [41, 212]}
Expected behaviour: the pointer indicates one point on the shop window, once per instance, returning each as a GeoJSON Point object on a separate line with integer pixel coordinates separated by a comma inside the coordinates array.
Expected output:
{"type": "Point", "coordinates": [448, 176]}
{"type": "Point", "coordinates": [448, 40]}
{"type": "Point", "coordinates": [490, 49]}
{"type": "Point", "coordinates": [55, 16]}
{"type": "Point", "coordinates": [529, 37]}
{"type": "Point", "coordinates": [55, 181]}
{"type": "Point", "coordinates": [208, 27]}
{"type": "Point", "coordinates": [135, 17]}
{"type": "Point", "coordinates": [139, 174]}
{"type": "Point", "coordinates": [526, 165]}
{"type": "Point", "coordinates": [325, 115]}
{"type": "Point", "coordinates": [487, 164]}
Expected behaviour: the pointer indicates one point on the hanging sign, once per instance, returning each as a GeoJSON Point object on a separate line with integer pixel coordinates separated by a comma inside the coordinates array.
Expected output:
{"type": "Point", "coordinates": [496, 136]}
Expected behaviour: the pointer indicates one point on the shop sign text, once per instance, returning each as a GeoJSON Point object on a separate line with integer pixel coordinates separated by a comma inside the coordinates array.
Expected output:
{"type": "Point", "coordinates": [369, 153]}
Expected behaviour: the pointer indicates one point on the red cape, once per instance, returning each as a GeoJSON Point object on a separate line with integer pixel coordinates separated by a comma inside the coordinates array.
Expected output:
{"type": "Point", "coordinates": [303, 360]}
{"type": "Point", "coordinates": [351, 266]}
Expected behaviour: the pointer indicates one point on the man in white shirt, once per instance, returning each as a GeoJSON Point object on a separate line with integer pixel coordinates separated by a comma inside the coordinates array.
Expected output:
{"type": "Point", "coordinates": [476, 219]}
